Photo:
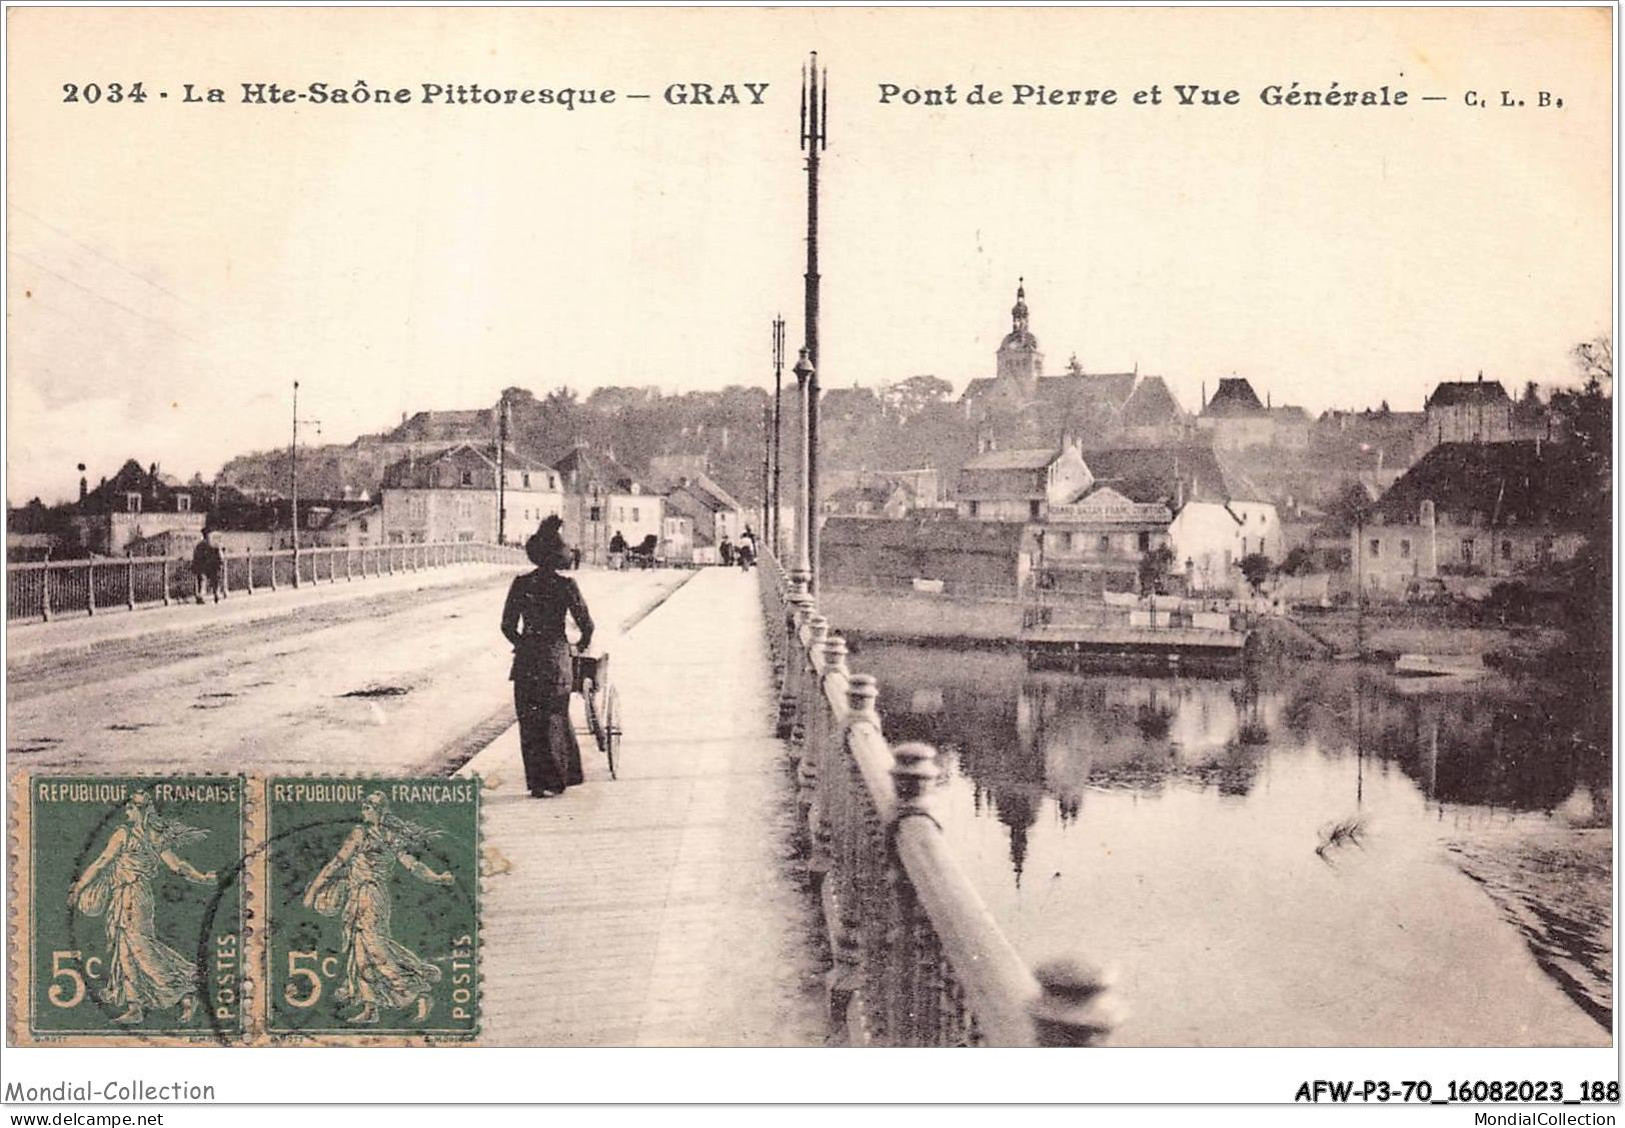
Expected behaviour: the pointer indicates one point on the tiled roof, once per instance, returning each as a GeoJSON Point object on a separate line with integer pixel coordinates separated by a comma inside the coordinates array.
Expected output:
{"type": "Point", "coordinates": [1453, 393]}
{"type": "Point", "coordinates": [1523, 483]}
{"type": "Point", "coordinates": [1147, 474]}
{"type": "Point", "coordinates": [1030, 459]}
{"type": "Point", "coordinates": [1234, 399]}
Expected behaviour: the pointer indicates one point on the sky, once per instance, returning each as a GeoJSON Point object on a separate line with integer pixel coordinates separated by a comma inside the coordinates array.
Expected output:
{"type": "Point", "coordinates": [172, 268]}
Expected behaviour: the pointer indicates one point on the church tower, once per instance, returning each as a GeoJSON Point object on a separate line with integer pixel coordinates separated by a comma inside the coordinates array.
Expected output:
{"type": "Point", "coordinates": [1020, 362]}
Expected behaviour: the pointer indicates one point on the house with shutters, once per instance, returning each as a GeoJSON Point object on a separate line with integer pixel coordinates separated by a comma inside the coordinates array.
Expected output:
{"type": "Point", "coordinates": [602, 498]}
{"type": "Point", "coordinates": [1474, 509]}
{"type": "Point", "coordinates": [453, 495]}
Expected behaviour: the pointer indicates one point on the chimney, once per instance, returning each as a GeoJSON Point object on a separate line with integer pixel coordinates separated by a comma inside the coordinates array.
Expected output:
{"type": "Point", "coordinates": [84, 484]}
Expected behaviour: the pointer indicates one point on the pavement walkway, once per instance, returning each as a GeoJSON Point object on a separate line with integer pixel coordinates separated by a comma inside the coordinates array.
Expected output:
{"type": "Point", "coordinates": [663, 908]}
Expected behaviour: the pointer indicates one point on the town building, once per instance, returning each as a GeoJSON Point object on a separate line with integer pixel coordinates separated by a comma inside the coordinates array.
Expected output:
{"type": "Point", "coordinates": [1020, 485]}
{"type": "Point", "coordinates": [712, 513]}
{"type": "Point", "coordinates": [1474, 509]}
{"type": "Point", "coordinates": [972, 558]}
{"type": "Point", "coordinates": [1023, 407]}
{"type": "Point", "coordinates": [132, 505]}
{"type": "Point", "coordinates": [1468, 411]}
{"type": "Point", "coordinates": [602, 498]}
{"type": "Point", "coordinates": [880, 498]}
{"type": "Point", "coordinates": [1235, 418]}
{"type": "Point", "coordinates": [453, 496]}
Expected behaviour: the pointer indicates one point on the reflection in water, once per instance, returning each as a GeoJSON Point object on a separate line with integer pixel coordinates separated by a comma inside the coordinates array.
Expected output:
{"type": "Point", "coordinates": [1019, 735]}
{"type": "Point", "coordinates": [1260, 857]}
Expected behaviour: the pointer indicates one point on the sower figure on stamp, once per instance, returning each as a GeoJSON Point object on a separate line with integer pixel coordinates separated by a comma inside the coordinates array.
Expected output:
{"type": "Point", "coordinates": [142, 971]}
{"type": "Point", "coordinates": [533, 620]}
{"type": "Point", "coordinates": [378, 970]}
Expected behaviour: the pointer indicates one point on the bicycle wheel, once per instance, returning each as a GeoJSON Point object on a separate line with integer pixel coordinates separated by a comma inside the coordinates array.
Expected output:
{"type": "Point", "coordinates": [612, 730]}
{"type": "Point", "coordinates": [589, 701]}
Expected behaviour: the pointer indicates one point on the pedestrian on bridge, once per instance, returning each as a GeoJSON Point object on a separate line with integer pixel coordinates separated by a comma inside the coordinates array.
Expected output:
{"type": "Point", "coordinates": [533, 621]}
{"type": "Point", "coordinates": [207, 564]}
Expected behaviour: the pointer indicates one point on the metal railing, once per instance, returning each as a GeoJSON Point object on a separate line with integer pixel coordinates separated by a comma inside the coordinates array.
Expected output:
{"type": "Point", "coordinates": [46, 590]}
{"type": "Point", "coordinates": [917, 958]}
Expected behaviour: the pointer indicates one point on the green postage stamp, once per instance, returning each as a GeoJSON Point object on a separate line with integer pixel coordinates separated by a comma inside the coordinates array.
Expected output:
{"type": "Point", "coordinates": [372, 905]}
{"type": "Point", "coordinates": [134, 906]}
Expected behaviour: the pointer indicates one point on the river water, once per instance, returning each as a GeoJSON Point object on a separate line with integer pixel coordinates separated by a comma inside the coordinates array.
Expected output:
{"type": "Point", "coordinates": [1256, 861]}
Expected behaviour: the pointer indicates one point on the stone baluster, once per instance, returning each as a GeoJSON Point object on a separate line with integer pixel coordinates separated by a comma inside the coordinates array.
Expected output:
{"type": "Point", "coordinates": [1074, 1007]}
{"type": "Point", "coordinates": [843, 910]}
{"type": "Point", "coordinates": [913, 770]}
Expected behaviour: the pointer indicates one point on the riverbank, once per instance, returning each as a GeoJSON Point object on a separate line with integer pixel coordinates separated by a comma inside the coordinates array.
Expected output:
{"type": "Point", "coordinates": [922, 618]}
{"type": "Point", "coordinates": [1553, 881]}
{"type": "Point", "coordinates": [1389, 631]}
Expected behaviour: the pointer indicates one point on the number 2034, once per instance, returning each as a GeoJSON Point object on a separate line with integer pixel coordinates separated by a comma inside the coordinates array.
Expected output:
{"type": "Point", "coordinates": [93, 92]}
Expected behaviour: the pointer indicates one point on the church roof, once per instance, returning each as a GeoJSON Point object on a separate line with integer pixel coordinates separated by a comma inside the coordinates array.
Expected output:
{"type": "Point", "coordinates": [1150, 403]}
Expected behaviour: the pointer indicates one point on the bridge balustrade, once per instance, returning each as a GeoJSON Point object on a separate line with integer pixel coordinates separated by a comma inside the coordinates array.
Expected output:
{"type": "Point", "coordinates": [917, 958]}
{"type": "Point", "coordinates": [45, 590]}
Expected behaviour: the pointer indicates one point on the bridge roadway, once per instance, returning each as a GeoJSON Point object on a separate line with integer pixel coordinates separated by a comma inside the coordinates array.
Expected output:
{"type": "Point", "coordinates": [662, 908]}
{"type": "Point", "coordinates": [400, 674]}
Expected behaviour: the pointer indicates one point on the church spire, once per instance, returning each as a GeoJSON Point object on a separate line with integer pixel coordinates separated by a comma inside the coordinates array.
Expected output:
{"type": "Point", "coordinates": [1018, 312]}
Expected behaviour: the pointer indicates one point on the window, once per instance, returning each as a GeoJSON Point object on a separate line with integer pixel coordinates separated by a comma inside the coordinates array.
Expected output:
{"type": "Point", "coordinates": [524, 480]}
{"type": "Point", "coordinates": [363, 524]}
{"type": "Point", "coordinates": [1376, 547]}
{"type": "Point", "coordinates": [595, 514]}
{"type": "Point", "coordinates": [1104, 544]}
{"type": "Point", "coordinates": [1405, 549]}
{"type": "Point", "coordinates": [183, 503]}
{"type": "Point", "coordinates": [1506, 550]}
{"type": "Point", "coordinates": [972, 509]}
{"type": "Point", "coordinates": [1466, 550]}
{"type": "Point", "coordinates": [1145, 542]}
{"type": "Point", "coordinates": [132, 502]}
{"type": "Point", "coordinates": [1033, 508]}
{"type": "Point", "coordinates": [634, 515]}
{"type": "Point", "coordinates": [468, 477]}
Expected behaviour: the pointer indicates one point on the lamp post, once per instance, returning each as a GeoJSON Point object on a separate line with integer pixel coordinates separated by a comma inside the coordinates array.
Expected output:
{"type": "Point", "coordinates": [801, 575]}
{"type": "Point", "coordinates": [814, 140]}
{"type": "Point", "coordinates": [778, 380]}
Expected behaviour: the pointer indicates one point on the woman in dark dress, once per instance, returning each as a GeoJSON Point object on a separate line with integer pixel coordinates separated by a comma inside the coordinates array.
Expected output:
{"type": "Point", "coordinates": [533, 620]}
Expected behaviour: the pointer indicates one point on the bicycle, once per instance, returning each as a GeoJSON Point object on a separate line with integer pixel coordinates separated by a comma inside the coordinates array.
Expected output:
{"type": "Point", "coordinates": [590, 678]}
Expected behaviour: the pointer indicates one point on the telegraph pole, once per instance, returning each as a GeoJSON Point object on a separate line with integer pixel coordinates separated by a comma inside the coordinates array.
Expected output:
{"type": "Point", "coordinates": [814, 140]}
{"type": "Point", "coordinates": [293, 474]}
{"type": "Point", "coordinates": [778, 381]}
{"type": "Point", "coordinates": [502, 469]}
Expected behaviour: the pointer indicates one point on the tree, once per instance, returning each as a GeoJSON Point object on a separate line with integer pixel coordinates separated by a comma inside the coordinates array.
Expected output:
{"type": "Point", "coordinates": [1300, 561]}
{"type": "Point", "coordinates": [908, 398]}
{"type": "Point", "coordinates": [1155, 566]}
{"type": "Point", "coordinates": [1255, 569]}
